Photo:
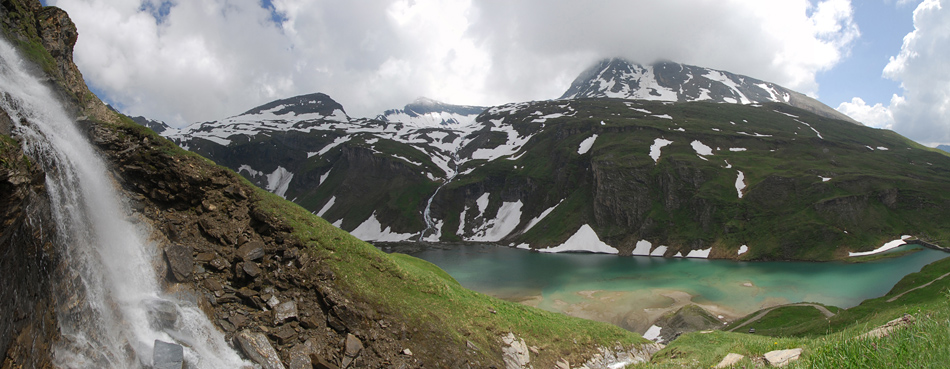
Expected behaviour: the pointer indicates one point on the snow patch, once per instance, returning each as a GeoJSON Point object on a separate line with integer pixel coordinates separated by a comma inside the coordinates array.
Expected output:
{"type": "Point", "coordinates": [335, 143]}
{"type": "Point", "coordinates": [655, 148]}
{"type": "Point", "coordinates": [278, 181]}
{"type": "Point", "coordinates": [372, 230]}
{"type": "Point", "coordinates": [586, 145]}
{"type": "Point", "coordinates": [653, 333]}
{"type": "Point", "coordinates": [664, 116]}
{"type": "Point", "coordinates": [882, 148]}
{"type": "Point", "coordinates": [737, 149]}
{"type": "Point", "coordinates": [326, 207]}
{"type": "Point", "coordinates": [824, 179]}
{"type": "Point", "coordinates": [482, 203]}
{"type": "Point", "coordinates": [585, 239]}
{"type": "Point", "coordinates": [743, 249]}
{"type": "Point", "coordinates": [699, 254]}
{"type": "Point", "coordinates": [250, 171]}
{"type": "Point", "coordinates": [659, 251]}
{"type": "Point", "coordinates": [323, 177]}
{"type": "Point", "coordinates": [508, 218]}
{"type": "Point", "coordinates": [887, 246]}
{"type": "Point", "coordinates": [545, 213]}
{"type": "Point", "coordinates": [643, 248]}
{"type": "Point", "coordinates": [701, 149]}
{"type": "Point", "coordinates": [740, 183]}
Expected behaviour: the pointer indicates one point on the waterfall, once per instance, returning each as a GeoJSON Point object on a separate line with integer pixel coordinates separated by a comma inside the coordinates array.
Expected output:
{"type": "Point", "coordinates": [110, 304]}
{"type": "Point", "coordinates": [426, 214]}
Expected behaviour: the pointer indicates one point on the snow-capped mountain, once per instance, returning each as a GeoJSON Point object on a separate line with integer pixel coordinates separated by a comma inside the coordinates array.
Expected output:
{"type": "Point", "coordinates": [631, 176]}
{"type": "Point", "coordinates": [674, 82]}
{"type": "Point", "coordinates": [425, 112]}
{"type": "Point", "coordinates": [300, 113]}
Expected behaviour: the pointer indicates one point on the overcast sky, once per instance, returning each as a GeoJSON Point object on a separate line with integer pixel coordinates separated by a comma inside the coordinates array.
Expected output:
{"type": "Point", "coordinates": [183, 61]}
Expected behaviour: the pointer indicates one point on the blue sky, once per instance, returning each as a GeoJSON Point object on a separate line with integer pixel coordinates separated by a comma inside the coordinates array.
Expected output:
{"type": "Point", "coordinates": [189, 61]}
{"type": "Point", "coordinates": [883, 26]}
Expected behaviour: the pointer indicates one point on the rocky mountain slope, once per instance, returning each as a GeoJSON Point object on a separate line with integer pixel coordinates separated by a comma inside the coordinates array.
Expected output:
{"type": "Point", "coordinates": [699, 179]}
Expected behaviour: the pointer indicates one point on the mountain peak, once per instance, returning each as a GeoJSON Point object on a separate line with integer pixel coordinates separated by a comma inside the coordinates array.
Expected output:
{"type": "Point", "coordinates": [318, 103]}
{"type": "Point", "coordinates": [675, 82]}
{"type": "Point", "coordinates": [424, 111]}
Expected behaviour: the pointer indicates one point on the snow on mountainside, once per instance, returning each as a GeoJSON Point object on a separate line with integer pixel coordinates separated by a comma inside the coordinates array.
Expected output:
{"type": "Point", "coordinates": [425, 112]}
{"type": "Point", "coordinates": [533, 173]}
{"type": "Point", "coordinates": [300, 113]}
{"type": "Point", "coordinates": [668, 81]}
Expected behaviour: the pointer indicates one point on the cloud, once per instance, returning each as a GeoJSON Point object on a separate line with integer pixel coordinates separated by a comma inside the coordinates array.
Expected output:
{"type": "Point", "coordinates": [877, 115]}
{"type": "Point", "coordinates": [187, 61]}
{"type": "Point", "coordinates": [922, 113]}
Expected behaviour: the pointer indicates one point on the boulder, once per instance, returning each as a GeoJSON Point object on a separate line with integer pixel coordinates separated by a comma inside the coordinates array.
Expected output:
{"type": "Point", "coordinates": [285, 311]}
{"type": "Point", "coordinates": [781, 358]}
{"type": "Point", "coordinates": [257, 348]}
{"type": "Point", "coordinates": [515, 352]}
{"type": "Point", "coordinates": [351, 349]}
{"type": "Point", "coordinates": [167, 355]}
{"type": "Point", "coordinates": [730, 360]}
{"type": "Point", "coordinates": [251, 251]}
{"type": "Point", "coordinates": [251, 269]}
{"type": "Point", "coordinates": [180, 262]}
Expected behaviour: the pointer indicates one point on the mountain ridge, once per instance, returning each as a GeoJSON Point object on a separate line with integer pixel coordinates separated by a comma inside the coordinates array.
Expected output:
{"type": "Point", "coordinates": [466, 176]}
{"type": "Point", "coordinates": [675, 82]}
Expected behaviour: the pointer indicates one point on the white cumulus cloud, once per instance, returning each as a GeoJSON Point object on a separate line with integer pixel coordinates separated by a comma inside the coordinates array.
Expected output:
{"type": "Point", "coordinates": [922, 113]}
{"type": "Point", "coordinates": [196, 60]}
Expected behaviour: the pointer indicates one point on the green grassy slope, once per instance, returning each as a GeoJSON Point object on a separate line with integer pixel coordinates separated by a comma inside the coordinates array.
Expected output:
{"type": "Point", "coordinates": [829, 343]}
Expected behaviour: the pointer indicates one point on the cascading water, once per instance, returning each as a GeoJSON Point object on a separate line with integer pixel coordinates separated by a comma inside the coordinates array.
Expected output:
{"type": "Point", "coordinates": [426, 214]}
{"type": "Point", "coordinates": [110, 305]}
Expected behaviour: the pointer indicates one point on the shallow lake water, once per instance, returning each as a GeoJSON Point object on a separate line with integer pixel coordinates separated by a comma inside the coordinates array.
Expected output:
{"type": "Point", "coordinates": [633, 292]}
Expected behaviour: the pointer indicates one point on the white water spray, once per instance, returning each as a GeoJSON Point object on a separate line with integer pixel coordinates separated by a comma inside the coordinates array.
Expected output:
{"type": "Point", "coordinates": [109, 294]}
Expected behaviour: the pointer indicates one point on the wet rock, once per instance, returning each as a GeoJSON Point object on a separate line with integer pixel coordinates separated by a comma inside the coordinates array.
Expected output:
{"type": "Point", "coordinates": [781, 358]}
{"type": "Point", "coordinates": [251, 251]}
{"type": "Point", "coordinates": [257, 348]}
{"type": "Point", "coordinates": [167, 356]}
{"type": "Point", "coordinates": [180, 262]}
{"type": "Point", "coordinates": [351, 349]}
{"type": "Point", "coordinates": [515, 352]}
{"type": "Point", "coordinates": [284, 312]}
{"type": "Point", "coordinates": [162, 314]}
{"type": "Point", "coordinates": [730, 360]}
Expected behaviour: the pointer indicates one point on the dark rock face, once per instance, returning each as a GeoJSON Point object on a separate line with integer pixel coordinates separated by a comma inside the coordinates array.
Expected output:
{"type": "Point", "coordinates": [28, 321]}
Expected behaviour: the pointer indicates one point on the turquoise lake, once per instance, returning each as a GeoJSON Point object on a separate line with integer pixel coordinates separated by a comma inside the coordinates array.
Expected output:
{"type": "Point", "coordinates": [632, 292]}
